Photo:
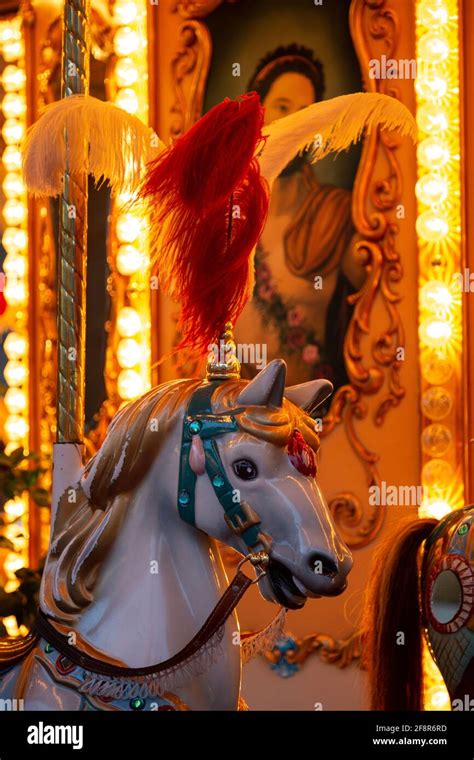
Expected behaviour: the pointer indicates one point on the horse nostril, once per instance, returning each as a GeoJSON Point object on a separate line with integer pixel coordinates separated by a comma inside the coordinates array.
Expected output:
{"type": "Point", "coordinates": [322, 565]}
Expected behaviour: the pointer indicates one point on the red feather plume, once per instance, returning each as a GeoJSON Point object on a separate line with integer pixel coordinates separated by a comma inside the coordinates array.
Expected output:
{"type": "Point", "coordinates": [209, 204]}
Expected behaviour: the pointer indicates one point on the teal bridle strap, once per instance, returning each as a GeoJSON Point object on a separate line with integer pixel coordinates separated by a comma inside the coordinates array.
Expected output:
{"type": "Point", "coordinates": [200, 420]}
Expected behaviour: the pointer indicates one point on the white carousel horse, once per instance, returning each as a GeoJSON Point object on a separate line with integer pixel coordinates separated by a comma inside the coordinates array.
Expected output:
{"type": "Point", "coordinates": [133, 570]}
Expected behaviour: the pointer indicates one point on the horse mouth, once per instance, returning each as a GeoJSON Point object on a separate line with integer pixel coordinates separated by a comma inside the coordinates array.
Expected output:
{"type": "Point", "coordinates": [283, 586]}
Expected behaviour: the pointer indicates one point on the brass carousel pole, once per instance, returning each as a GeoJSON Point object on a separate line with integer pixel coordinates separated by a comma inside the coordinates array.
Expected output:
{"type": "Point", "coordinates": [72, 249]}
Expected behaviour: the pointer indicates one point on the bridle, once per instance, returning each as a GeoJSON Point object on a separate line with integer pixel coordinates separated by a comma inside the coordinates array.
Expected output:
{"type": "Point", "coordinates": [200, 420]}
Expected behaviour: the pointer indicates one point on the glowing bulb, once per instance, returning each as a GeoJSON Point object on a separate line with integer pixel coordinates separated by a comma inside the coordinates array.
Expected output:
{"type": "Point", "coordinates": [432, 14]}
{"type": "Point", "coordinates": [129, 260]}
{"type": "Point", "coordinates": [127, 99]}
{"type": "Point", "coordinates": [126, 41]}
{"type": "Point", "coordinates": [15, 401]}
{"type": "Point", "coordinates": [435, 296]}
{"type": "Point", "coordinates": [13, 105]}
{"type": "Point", "coordinates": [14, 507]}
{"type": "Point", "coordinates": [432, 153]}
{"type": "Point", "coordinates": [13, 78]}
{"type": "Point", "coordinates": [432, 119]}
{"type": "Point", "coordinates": [14, 265]}
{"type": "Point", "coordinates": [13, 185]}
{"type": "Point", "coordinates": [436, 403]}
{"type": "Point", "coordinates": [15, 345]}
{"type": "Point", "coordinates": [14, 240]}
{"type": "Point", "coordinates": [11, 158]}
{"type": "Point", "coordinates": [15, 373]}
{"type": "Point", "coordinates": [431, 189]}
{"type": "Point", "coordinates": [128, 322]}
{"type": "Point", "coordinates": [15, 292]}
{"type": "Point", "coordinates": [431, 227]}
{"type": "Point", "coordinates": [437, 474]}
{"type": "Point", "coordinates": [13, 131]}
{"type": "Point", "coordinates": [12, 51]}
{"type": "Point", "coordinates": [129, 384]}
{"type": "Point", "coordinates": [431, 87]}
{"type": "Point", "coordinates": [125, 11]}
{"type": "Point", "coordinates": [438, 698]}
{"type": "Point", "coordinates": [16, 427]}
{"type": "Point", "coordinates": [433, 48]}
{"type": "Point", "coordinates": [436, 508]}
{"type": "Point", "coordinates": [14, 212]}
{"type": "Point", "coordinates": [127, 228]}
{"type": "Point", "coordinates": [13, 563]}
{"type": "Point", "coordinates": [126, 73]}
{"type": "Point", "coordinates": [129, 353]}
{"type": "Point", "coordinates": [435, 333]}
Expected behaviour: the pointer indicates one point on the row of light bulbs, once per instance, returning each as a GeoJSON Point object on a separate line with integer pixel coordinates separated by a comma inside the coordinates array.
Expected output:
{"type": "Point", "coordinates": [132, 261]}
{"type": "Point", "coordinates": [15, 241]}
{"type": "Point", "coordinates": [438, 228]}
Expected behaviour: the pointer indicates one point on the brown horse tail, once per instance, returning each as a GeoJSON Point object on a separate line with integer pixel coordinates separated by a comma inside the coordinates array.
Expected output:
{"type": "Point", "coordinates": [393, 660]}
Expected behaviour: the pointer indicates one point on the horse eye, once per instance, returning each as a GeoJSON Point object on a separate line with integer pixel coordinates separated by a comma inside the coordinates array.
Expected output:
{"type": "Point", "coordinates": [245, 469]}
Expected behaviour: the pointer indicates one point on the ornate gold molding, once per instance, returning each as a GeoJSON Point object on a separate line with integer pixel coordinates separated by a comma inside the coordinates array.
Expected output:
{"type": "Point", "coordinates": [290, 654]}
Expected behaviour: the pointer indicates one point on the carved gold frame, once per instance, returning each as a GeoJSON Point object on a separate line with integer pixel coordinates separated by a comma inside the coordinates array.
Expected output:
{"type": "Point", "coordinates": [375, 30]}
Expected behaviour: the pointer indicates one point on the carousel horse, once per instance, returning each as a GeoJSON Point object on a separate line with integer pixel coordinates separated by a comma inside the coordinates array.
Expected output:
{"type": "Point", "coordinates": [133, 571]}
{"type": "Point", "coordinates": [133, 611]}
{"type": "Point", "coordinates": [408, 595]}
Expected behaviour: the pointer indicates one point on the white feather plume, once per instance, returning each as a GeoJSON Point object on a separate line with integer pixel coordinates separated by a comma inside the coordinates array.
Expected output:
{"type": "Point", "coordinates": [102, 139]}
{"type": "Point", "coordinates": [331, 126]}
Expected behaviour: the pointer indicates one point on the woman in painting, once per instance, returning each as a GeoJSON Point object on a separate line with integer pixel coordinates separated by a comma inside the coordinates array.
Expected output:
{"type": "Point", "coordinates": [304, 266]}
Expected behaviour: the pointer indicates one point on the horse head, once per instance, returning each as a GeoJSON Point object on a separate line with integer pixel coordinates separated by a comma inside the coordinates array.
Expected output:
{"type": "Point", "coordinates": [266, 466]}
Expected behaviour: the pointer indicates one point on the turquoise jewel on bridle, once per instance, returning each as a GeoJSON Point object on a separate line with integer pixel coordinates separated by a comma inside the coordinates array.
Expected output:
{"type": "Point", "coordinates": [199, 419]}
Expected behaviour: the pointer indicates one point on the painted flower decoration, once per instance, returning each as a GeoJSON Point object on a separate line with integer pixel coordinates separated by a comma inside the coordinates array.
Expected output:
{"type": "Point", "coordinates": [301, 455]}
{"type": "Point", "coordinates": [310, 354]}
{"type": "Point", "coordinates": [295, 316]}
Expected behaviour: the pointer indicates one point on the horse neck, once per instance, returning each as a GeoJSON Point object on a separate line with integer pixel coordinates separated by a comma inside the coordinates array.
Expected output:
{"type": "Point", "coordinates": [159, 582]}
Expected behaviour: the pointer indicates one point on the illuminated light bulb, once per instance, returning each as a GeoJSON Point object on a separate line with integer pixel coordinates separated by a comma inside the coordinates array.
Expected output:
{"type": "Point", "coordinates": [435, 296]}
{"type": "Point", "coordinates": [129, 260]}
{"type": "Point", "coordinates": [127, 228]}
{"type": "Point", "coordinates": [126, 73]}
{"type": "Point", "coordinates": [14, 507]}
{"type": "Point", "coordinates": [432, 119]}
{"type": "Point", "coordinates": [128, 322]}
{"type": "Point", "coordinates": [14, 265]}
{"type": "Point", "coordinates": [13, 185]}
{"type": "Point", "coordinates": [432, 153]}
{"type": "Point", "coordinates": [431, 87]}
{"type": "Point", "coordinates": [16, 427]}
{"type": "Point", "coordinates": [436, 508]}
{"type": "Point", "coordinates": [13, 131]}
{"type": "Point", "coordinates": [438, 698]}
{"type": "Point", "coordinates": [435, 333]}
{"type": "Point", "coordinates": [129, 353]}
{"type": "Point", "coordinates": [13, 105]}
{"type": "Point", "coordinates": [437, 474]}
{"type": "Point", "coordinates": [431, 189]}
{"type": "Point", "coordinates": [437, 370]}
{"type": "Point", "coordinates": [126, 41]}
{"type": "Point", "coordinates": [432, 14]}
{"type": "Point", "coordinates": [15, 345]}
{"type": "Point", "coordinates": [122, 199]}
{"type": "Point", "coordinates": [436, 439]}
{"type": "Point", "coordinates": [7, 33]}
{"type": "Point", "coordinates": [129, 384]}
{"type": "Point", "coordinates": [125, 11]}
{"type": "Point", "coordinates": [14, 212]}
{"type": "Point", "coordinates": [433, 48]}
{"type": "Point", "coordinates": [10, 622]}
{"type": "Point", "coordinates": [15, 292]}
{"type": "Point", "coordinates": [15, 401]}
{"type": "Point", "coordinates": [14, 240]}
{"type": "Point", "coordinates": [436, 403]}
{"type": "Point", "coordinates": [13, 563]}
{"type": "Point", "coordinates": [127, 100]}
{"type": "Point", "coordinates": [11, 158]}
{"type": "Point", "coordinates": [12, 51]}
{"type": "Point", "coordinates": [432, 227]}
{"type": "Point", "coordinates": [13, 78]}
{"type": "Point", "coordinates": [15, 373]}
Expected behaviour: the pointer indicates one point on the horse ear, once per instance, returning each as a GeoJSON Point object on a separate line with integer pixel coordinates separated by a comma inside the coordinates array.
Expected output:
{"type": "Point", "coordinates": [309, 396]}
{"type": "Point", "coordinates": [267, 388]}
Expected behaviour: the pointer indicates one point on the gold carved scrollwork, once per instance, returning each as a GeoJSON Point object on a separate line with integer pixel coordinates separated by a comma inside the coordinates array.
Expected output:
{"type": "Point", "coordinates": [191, 62]}
{"type": "Point", "coordinates": [340, 652]}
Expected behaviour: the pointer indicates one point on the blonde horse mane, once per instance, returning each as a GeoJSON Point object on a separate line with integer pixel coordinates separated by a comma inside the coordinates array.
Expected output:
{"type": "Point", "coordinates": [87, 524]}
